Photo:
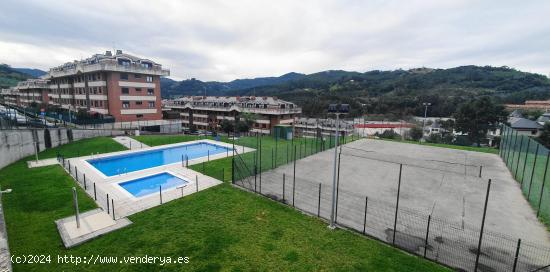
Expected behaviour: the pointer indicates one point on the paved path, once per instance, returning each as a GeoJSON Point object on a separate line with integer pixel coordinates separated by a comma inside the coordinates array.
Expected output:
{"type": "Point", "coordinates": [41, 163]}
{"type": "Point", "coordinates": [130, 142]}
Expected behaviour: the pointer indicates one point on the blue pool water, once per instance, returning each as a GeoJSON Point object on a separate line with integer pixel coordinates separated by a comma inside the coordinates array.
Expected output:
{"type": "Point", "coordinates": [152, 184]}
{"type": "Point", "coordinates": [120, 164]}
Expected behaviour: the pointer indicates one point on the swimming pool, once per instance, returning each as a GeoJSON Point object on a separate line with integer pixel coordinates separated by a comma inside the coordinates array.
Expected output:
{"type": "Point", "coordinates": [120, 164]}
{"type": "Point", "coordinates": [152, 184]}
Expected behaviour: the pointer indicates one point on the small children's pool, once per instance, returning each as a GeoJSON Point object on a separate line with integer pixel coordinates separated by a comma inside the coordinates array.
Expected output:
{"type": "Point", "coordinates": [152, 184]}
{"type": "Point", "coordinates": [121, 164]}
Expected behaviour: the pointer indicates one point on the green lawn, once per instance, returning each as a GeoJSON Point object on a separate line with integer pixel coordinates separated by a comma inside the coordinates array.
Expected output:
{"type": "Point", "coordinates": [520, 159]}
{"type": "Point", "coordinates": [491, 150]}
{"type": "Point", "coordinates": [83, 147]}
{"type": "Point", "coordinates": [221, 228]}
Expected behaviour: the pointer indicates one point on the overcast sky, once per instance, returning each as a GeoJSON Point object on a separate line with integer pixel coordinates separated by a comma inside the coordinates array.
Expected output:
{"type": "Point", "coordinates": [224, 40]}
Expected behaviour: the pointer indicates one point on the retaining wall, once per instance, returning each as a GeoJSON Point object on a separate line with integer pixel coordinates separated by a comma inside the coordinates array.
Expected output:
{"type": "Point", "coordinates": [20, 143]}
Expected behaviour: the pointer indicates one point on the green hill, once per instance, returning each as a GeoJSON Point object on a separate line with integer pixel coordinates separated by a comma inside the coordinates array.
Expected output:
{"type": "Point", "coordinates": [9, 76]}
{"type": "Point", "coordinates": [400, 92]}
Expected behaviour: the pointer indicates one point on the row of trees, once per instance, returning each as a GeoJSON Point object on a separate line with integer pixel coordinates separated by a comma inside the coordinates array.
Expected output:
{"type": "Point", "coordinates": [473, 118]}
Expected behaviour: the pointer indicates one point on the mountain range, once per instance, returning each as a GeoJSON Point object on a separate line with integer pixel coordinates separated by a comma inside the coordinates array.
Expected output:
{"type": "Point", "coordinates": [395, 92]}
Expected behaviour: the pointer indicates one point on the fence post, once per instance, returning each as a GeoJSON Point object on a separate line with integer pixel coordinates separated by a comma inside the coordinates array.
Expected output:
{"type": "Point", "coordinates": [533, 171]}
{"type": "Point", "coordinates": [186, 161]}
{"type": "Point", "coordinates": [294, 177]}
{"type": "Point", "coordinates": [284, 187]}
{"type": "Point", "coordinates": [160, 193]}
{"type": "Point", "coordinates": [85, 187]}
{"type": "Point", "coordinates": [255, 171]}
{"type": "Point", "coordinates": [197, 182]}
{"type": "Point", "coordinates": [182, 164]}
{"type": "Point", "coordinates": [113, 207]}
{"type": "Point", "coordinates": [482, 225]}
{"type": "Point", "coordinates": [95, 193]}
{"type": "Point", "coordinates": [427, 235]}
{"type": "Point", "coordinates": [76, 173]}
{"type": "Point", "coordinates": [397, 203]}
{"type": "Point", "coordinates": [480, 168]}
{"type": "Point", "coordinates": [208, 154]}
{"type": "Point", "coordinates": [365, 217]}
{"type": "Point", "coordinates": [260, 163]}
{"type": "Point", "coordinates": [517, 163]}
{"type": "Point", "coordinates": [524, 162]}
{"type": "Point", "coordinates": [319, 202]}
{"type": "Point", "coordinates": [511, 146]}
{"type": "Point", "coordinates": [517, 256]}
{"type": "Point", "coordinates": [337, 189]}
{"type": "Point", "coordinates": [543, 181]}
{"type": "Point", "coordinates": [108, 210]}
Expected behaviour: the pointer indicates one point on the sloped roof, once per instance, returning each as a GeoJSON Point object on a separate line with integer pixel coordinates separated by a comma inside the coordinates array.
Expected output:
{"type": "Point", "coordinates": [519, 123]}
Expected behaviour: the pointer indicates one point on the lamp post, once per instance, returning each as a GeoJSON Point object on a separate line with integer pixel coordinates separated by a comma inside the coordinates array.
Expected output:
{"type": "Point", "coordinates": [337, 110]}
{"type": "Point", "coordinates": [426, 105]}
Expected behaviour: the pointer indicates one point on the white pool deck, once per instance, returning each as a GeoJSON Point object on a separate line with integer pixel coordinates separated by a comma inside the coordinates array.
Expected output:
{"type": "Point", "coordinates": [108, 193]}
{"type": "Point", "coordinates": [130, 142]}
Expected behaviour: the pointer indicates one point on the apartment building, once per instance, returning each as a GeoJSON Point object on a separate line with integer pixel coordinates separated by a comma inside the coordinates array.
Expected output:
{"type": "Point", "coordinates": [120, 85]}
{"type": "Point", "coordinates": [321, 127]}
{"type": "Point", "coordinates": [207, 112]}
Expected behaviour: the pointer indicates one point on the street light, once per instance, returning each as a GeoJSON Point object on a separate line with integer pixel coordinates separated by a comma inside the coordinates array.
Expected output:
{"type": "Point", "coordinates": [426, 105]}
{"type": "Point", "coordinates": [337, 110]}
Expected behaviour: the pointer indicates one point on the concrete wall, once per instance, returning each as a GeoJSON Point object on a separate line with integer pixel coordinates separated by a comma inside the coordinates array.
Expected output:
{"type": "Point", "coordinates": [17, 144]}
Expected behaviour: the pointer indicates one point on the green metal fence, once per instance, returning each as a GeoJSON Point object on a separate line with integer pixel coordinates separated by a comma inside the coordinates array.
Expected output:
{"type": "Point", "coordinates": [528, 161]}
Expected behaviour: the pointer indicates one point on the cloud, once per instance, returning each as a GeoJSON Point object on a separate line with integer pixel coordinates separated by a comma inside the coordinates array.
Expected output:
{"type": "Point", "coordinates": [224, 40]}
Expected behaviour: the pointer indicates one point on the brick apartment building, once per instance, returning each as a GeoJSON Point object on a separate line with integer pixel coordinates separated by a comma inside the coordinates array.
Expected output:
{"type": "Point", "coordinates": [118, 85]}
{"type": "Point", "coordinates": [207, 112]}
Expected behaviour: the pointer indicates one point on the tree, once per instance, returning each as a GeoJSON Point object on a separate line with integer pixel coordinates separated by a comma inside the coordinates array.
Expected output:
{"type": "Point", "coordinates": [227, 126]}
{"type": "Point", "coordinates": [544, 137]}
{"type": "Point", "coordinates": [477, 116]}
{"type": "Point", "coordinates": [416, 133]}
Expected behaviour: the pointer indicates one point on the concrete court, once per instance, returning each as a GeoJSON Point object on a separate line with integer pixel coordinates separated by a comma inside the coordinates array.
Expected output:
{"type": "Point", "coordinates": [432, 179]}
{"type": "Point", "coordinates": [440, 181]}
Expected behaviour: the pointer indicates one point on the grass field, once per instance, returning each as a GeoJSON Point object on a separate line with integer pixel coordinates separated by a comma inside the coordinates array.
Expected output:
{"type": "Point", "coordinates": [527, 161]}
{"type": "Point", "coordinates": [221, 228]}
{"type": "Point", "coordinates": [491, 150]}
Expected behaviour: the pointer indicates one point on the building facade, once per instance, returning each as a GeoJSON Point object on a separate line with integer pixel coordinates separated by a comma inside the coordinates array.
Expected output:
{"type": "Point", "coordinates": [208, 112]}
{"type": "Point", "coordinates": [542, 105]}
{"type": "Point", "coordinates": [118, 85]}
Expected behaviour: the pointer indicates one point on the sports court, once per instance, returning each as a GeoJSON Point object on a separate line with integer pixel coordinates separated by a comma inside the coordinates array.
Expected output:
{"type": "Point", "coordinates": [440, 182]}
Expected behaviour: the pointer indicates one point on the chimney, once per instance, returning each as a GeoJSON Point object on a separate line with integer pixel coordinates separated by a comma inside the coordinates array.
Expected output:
{"type": "Point", "coordinates": [108, 53]}
{"type": "Point", "coordinates": [119, 52]}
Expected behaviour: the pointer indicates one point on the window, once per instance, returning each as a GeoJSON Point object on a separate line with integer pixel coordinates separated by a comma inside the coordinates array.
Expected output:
{"type": "Point", "coordinates": [137, 76]}
{"type": "Point", "coordinates": [139, 102]}
{"type": "Point", "coordinates": [139, 115]}
{"type": "Point", "coordinates": [150, 91]}
{"type": "Point", "coordinates": [124, 76]}
{"type": "Point", "coordinates": [125, 91]}
{"type": "Point", "coordinates": [149, 79]}
{"type": "Point", "coordinates": [95, 90]}
{"type": "Point", "coordinates": [99, 90]}
{"type": "Point", "coordinates": [151, 104]}
{"type": "Point", "coordinates": [125, 104]}
{"type": "Point", "coordinates": [138, 89]}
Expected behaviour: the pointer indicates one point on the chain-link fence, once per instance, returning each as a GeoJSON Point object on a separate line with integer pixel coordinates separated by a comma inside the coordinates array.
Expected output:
{"type": "Point", "coordinates": [455, 244]}
{"type": "Point", "coordinates": [528, 162]}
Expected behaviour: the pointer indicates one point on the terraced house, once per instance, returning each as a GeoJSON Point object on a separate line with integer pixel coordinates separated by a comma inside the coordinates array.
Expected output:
{"type": "Point", "coordinates": [119, 85]}
{"type": "Point", "coordinates": [207, 112]}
